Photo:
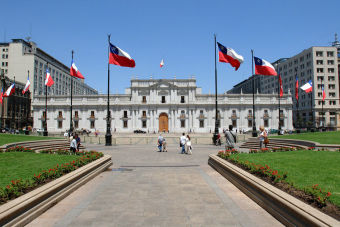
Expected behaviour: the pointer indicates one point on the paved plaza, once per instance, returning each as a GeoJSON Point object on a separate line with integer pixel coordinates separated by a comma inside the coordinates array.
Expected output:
{"type": "Point", "coordinates": [148, 188]}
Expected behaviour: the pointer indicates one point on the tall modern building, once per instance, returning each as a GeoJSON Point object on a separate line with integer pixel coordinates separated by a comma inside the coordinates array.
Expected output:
{"type": "Point", "coordinates": [19, 56]}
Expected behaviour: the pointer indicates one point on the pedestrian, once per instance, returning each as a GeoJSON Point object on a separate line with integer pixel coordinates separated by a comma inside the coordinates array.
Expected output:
{"type": "Point", "coordinates": [73, 145]}
{"type": "Point", "coordinates": [231, 138]}
{"type": "Point", "coordinates": [78, 141]}
{"type": "Point", "coordinates": [160, 142]}
{"type": "Point", "coordinates": [164, 145]}
{"type": "Point", "coordinates": [262, 137]}
{"type": "Point", "coordinates": [182, 142]}
{"type": "Point", "coordinates": [188, 143]}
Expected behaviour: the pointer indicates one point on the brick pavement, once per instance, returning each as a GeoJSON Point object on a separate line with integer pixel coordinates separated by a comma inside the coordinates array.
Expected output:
{"type": "Point", "coordinates": [148, 188]}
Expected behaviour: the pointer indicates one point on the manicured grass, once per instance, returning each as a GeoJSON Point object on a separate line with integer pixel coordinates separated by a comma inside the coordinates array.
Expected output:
{"type": "Point", "coordinates": [9, 138]}
{"type": "Point", "coordinates": [304, 168]}
{"type": "Point", "coordinates": [16, 165]}
{"type": "Point", "coordinates": [320, 137]}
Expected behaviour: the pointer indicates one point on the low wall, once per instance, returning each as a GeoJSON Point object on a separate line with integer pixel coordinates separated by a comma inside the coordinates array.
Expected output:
{"type": "Point", "coordinates": [284, 207]}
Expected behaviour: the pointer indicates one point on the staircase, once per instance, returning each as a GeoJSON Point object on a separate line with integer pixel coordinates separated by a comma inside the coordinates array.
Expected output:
{"type": "Point", "coordinates": [39, 145]}
{"type": "Point", "coordinates": [254, 143]}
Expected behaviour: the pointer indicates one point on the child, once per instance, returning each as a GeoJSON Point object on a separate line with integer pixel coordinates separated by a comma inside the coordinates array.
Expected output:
{"type": "Point", "coordinates": [188, 143]}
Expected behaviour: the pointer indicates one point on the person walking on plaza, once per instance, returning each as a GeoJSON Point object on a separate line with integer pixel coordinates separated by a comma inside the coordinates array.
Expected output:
{"type": "Point", "coordinates": [160, 142]}
{"type": "Point", "coordinates": [78, 141]}
{"type": "Point", "coordinates": [182, 142]}
{"type": "Point", "coordinates": [164, 146]}
{"type": "Point", "coordinates": [230, 136]}
{"type": "Point", "coordinates": [188, 143]}
{"type": "Point", "coordinates": [262, 137]}
{"type": "Point", "coordinates": [73, 145]}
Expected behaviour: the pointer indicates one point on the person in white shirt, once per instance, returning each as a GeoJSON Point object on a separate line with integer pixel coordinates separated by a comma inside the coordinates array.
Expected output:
{"type": "Point", "coordinates": [188, 143]}
{"type": "Point", "coordinates": [73, 145]}
{"type": "Point", "coordinates": [182, 142]}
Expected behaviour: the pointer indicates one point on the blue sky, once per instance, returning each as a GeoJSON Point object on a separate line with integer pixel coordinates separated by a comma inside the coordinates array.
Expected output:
{"type": "Point", "coordinates": [180, 32]}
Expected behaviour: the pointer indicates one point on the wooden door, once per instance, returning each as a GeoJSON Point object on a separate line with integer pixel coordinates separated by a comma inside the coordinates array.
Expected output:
{"type": "Point", "coordinates": [163, 122]}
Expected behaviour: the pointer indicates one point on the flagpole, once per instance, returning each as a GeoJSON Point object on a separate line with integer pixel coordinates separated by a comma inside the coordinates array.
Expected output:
{"type": "Point", "coordinates": [278, 80]}
{"type": "Point", "coordinates": [2, 103]}
{"type": "Point", "coordinates": [108, 136]}
{"type": "Point", "coordinates": [216, 120]}
{"type": "Point", "coordinates": [71, 121]}
{"type": "Point", "coordinates": [254, 134]}
{"type": "Point", "coordinates": [13, 107]}
{"type": "Point", "coordinates": [45, 133]}
{"type": "Point", "coordinates": [297, 102]}
{"type": "Point", "coordinates": [311, 108]}
{"type": "Point", "coordinates": [27, 109]}
{"type": "Point", "coordinates": [323, 118]}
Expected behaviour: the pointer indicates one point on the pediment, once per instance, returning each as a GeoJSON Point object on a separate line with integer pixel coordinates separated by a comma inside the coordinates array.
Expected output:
{"type": "Point", "coordinates": [163, 85]}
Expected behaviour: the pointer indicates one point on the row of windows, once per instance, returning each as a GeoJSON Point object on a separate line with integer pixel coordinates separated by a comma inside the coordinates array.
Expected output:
{"type": "Point", "coordinates": [4, 64]}
{"type": "Point", "coordinates": [5, 56]}
{"type": "Point", "coordinates": [4, 49]}
{"type": "Point", "coordinates": [320, 54]}
{"type": "Point", "coordinates": [163, 100]}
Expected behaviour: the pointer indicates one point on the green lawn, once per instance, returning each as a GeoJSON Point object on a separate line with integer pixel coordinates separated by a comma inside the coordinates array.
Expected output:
{"type": "Point", "coordinates": [15, 165]}
{"type": "Point", "coordinates": [9, 138]}
{"type": "Point", "coordinates": [320, 137]}
{"type": "Point", "coordinates": [304, 168]}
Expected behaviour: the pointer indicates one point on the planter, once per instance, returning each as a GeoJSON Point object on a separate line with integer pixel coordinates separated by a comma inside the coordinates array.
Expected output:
{"type": "Point", "coordinates": [27, 207]}
{"type": "Point", "coordinates": [284, 207]}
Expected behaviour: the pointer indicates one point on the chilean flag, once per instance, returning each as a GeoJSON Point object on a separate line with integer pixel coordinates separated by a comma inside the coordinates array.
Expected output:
{"type": "Point", "coordinates": [296, 88]}
{"type": "Point", "coordinates": [1, 95]}
{"type": "Point", "coordinates": [74, 71]}
{"type": "Point", "coordinates": [262, 67]}
{"type": "Point", "coordinates": [27, 86]}
{"type": "Point", "coordinates": [119, 57]}
{"type": "Point", "coordinates": [308, 87]}
{"type": "Point", "coordinates": [48, 81]}
{"type": "Point", "coordinates": [323, 93]}
{"type": "Point", "coordinates": [281, 88]}
{"type": "Point", "coordinates": [9, 90]}
{"type": "Point", "coordinates": [162, 63]}
{"type": "Point", "coordinates": [228, 55]}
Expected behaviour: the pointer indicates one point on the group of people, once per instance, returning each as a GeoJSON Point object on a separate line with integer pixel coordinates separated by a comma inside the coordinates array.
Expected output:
{"type": "Point", "coordinates": [184, 143]}
{"type": "Point", "coordinates": [75, 143]}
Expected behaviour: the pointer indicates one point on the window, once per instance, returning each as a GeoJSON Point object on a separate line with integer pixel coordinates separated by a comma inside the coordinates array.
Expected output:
{"type": "Point", "coordinates": [182, 99]}
{"type": "Point", "coordinates": [92, 113]}
{"type": "Point", "coordinates": [250, 123]}
{"type": "Point", "coordinates": [319, 70]}
{"type": "Point", "coordinates": [182, 123]}
{"type": "Point", "coordinates": [143, 124]}
{"type": "Point", "coordinates": [125, 124]}
{"type": "Point", "coordinates": [282, 122]}
{"type": "Point", "coordinates": [331, 70]}
{"type": "Point", "coordinates": [234, 112]}
{"type": "Point", "coordinates": [144, 99]}
{"type": "Point", "coordinates": [331, 78]}
{"type": "Point", "coordinates": [44, 114]}
{"type": "Point", "coordinates": [201, 123]}
{"type": "Point", "coordinates": [319, 62]}
{"type": "Point", "coordinates": [319, 53]}
{"type": "Point", "coordinates": [320, 78]}
{"type": "Point", "coordinates": [163, 99]}
{"type": "Point", "coordinates": [60, 124]}
{"type": "Point", "coordinates": [76, 113]}
{"type": "Point", "coordinates": [331, 86]}
{"type": "Point", "coordinates": [234, 123]}
{"type": "Point", "coordinates": [330, 62]}
{"type": "Point", "coordinates": [76, 124]}
{"type": "Point", "coordinates": [144, 113]}
{"type": "Point", "coordinates": [60, 114]}
{"type": "Point", "coordinates": [331, 94]}
{"type": "Point", "coordinates": [330, 53]}
{"type": "Point", "coordinates": [92, 124]}
{"type": "Point", "coordinates": [125, 114]}
{"type": "Point", "coordinates": [332, 102]}
{"type": "Point", "coordinates": [319, 94]}
{"type": "Point", "coordinates": [265, 123]}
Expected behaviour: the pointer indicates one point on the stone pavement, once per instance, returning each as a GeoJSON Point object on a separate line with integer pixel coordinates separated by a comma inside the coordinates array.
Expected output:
{"type": "Point", "coordinates": [148, 188]}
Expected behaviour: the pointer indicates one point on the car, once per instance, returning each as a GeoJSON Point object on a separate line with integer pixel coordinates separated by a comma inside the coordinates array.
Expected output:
{"type": "Point", "coordinates": [139, 131]}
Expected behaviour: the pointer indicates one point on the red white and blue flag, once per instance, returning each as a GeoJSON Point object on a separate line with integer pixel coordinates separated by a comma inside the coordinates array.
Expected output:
{"type": "Point", "coordinates": [281, 88]}
{"type": "Point", "coordinates": [119, 57]}
{"type": "Point", "coordinates": [228, 55]}
{"type": "Point", "coordinates": [262, 67]}
{"type": "Point", "coordinates": [75, 72]}
{"type": "Point", "coordinates": [48, 81]}
{"type": "Point", "coordinates": [296, 88]}
{"type": "Point", "coordinates": [27, 86]}
{"type": "Point", "coordinates": [308, 87]}
{"type": "Point", "coordinates": [161, 64]}
{"type": "Point", "coordinates": [1, 95]}
{"type": "Point", "coordinates": [323, 93]}
{"type": "Point", "coordinates": [9, 90]}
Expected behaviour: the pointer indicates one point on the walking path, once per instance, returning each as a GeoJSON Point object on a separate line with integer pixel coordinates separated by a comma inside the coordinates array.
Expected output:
{"type": "Point", "coordinates": [148, 188]}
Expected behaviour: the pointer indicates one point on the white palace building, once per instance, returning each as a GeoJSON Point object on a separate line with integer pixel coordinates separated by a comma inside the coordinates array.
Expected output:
{"type": "Point", "coordinates": [153, 105]}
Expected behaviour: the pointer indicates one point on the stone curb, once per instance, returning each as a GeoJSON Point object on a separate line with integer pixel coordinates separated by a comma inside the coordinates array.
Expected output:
{"type": "Point", "coordinates": [284, 207]}
{"type": "Point", "coordinates": [5, 146]}
{"type": "Point", "coordinates": [27, 207]}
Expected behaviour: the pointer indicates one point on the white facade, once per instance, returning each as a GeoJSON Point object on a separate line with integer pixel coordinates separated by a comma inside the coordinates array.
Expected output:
{"type": "Point", "coordinates": [18, 57]}
{"type": "Point", "coordinates": [151, 105]}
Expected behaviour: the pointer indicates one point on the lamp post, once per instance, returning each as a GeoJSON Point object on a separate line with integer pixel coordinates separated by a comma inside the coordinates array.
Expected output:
{"type": "Point", "coordinates": [45, 133]}
{"type": "Point", "coordinates": [254, 133]}
{"type": "Point", "coordinates": [2, 103]}
{"type": "Point", "coordinates": [216, 114]}
{"type": "Point", "coordinates": [71, 121]}
{"type": "Point", "coordinates": [108, 136]}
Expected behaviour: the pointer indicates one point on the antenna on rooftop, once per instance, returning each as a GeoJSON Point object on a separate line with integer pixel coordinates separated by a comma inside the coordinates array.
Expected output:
{"type": "Point", "coordinates": [29, 37]}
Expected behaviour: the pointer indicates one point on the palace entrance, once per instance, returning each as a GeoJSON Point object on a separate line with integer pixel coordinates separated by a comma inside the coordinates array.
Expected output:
{"type": "Point", "coordinates": [163, 122]}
